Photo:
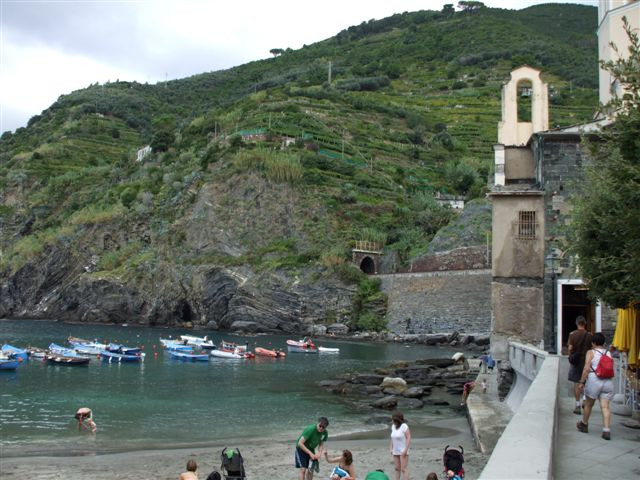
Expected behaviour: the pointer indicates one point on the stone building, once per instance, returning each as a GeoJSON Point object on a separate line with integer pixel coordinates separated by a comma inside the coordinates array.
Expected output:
{"type": "Point", "coordinates": [536, 292]}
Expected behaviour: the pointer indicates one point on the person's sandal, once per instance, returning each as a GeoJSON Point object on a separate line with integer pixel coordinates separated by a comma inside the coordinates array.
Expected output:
{"type": "Point", "coordinates": [583, 427]}
{"type": "Point", "coordinates": [577, 411]}
{"type": "Point", "coordinates": [606, 435]}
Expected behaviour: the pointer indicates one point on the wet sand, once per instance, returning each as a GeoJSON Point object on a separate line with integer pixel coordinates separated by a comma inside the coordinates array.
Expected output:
{"type": "Point", "coordinates": [264, 460]}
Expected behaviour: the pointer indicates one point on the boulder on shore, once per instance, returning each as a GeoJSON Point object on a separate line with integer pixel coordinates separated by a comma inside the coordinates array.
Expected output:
{"type": "Point", "coordinates": [388, 402]}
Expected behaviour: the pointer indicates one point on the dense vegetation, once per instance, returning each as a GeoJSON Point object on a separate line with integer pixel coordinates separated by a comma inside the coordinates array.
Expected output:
{"type": "Point", "coordinates": [380, 117]}
{"type": "Point", "coordinates": [606, 220]}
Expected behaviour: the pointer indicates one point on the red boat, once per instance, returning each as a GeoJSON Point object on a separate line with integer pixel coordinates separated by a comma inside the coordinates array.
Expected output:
{"type": "Point", "coordinates": [265, 352]}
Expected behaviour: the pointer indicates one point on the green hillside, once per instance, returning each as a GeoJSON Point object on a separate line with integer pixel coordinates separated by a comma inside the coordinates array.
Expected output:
{"type": "Point", "coordinates": [410, 107]}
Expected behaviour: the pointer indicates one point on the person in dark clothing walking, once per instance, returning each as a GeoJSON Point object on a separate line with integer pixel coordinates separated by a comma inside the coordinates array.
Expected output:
{"type": "Point", "coordinates": [578, 345]}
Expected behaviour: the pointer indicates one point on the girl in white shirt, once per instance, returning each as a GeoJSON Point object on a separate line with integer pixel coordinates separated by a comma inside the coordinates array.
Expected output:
{"type": "Point", "coordinates": [400, 443]}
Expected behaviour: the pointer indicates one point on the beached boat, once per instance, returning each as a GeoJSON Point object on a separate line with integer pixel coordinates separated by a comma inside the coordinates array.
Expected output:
{"type": "Point", "coordinates": [115, 357]}
{"type": "Point", "coordinates": [8, 363]}
{"type": "Point", "coordinates": [15, 352]}
{"type": "Point", "coordinates": [200, 342]}
{"type": "Point", "coordinates": [189, 357]}
{"type": "Point", "coordinates": [328, 350]}
{"type": "Point", "coordinates": [265, 352]}
{"type": "Point", "coordinates": [302, 346]}
{"type": "Point", "coordinates": [176, 345]}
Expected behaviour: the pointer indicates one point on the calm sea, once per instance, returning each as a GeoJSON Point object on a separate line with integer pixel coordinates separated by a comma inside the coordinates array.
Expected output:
{"type": "Point", "coordinates": [164, 403]}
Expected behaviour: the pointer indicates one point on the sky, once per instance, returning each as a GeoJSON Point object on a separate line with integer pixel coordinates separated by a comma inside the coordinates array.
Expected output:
{"type": "Point", "coordinates": [51, 48]}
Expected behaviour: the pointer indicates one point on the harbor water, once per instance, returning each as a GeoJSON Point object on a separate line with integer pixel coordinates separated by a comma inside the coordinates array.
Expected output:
{"type": "Point", "coordinates": [167, 403]}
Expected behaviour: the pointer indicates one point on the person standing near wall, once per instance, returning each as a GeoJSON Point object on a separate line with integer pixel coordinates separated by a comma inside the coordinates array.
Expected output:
{"type": "Point", "coordinates": [578, 345]}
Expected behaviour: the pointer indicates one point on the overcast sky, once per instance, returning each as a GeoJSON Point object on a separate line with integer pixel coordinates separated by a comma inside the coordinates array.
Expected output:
{"type": "Point", "coordinates": [49, 48]}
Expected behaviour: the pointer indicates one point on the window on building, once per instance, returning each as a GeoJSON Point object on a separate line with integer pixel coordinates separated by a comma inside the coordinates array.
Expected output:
{"type": "Point", "coordinates": [527, 225]}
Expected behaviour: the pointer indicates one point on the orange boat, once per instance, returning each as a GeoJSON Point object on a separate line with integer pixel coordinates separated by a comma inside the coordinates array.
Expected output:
{"type": "Point", "coordinates": [268, 353]}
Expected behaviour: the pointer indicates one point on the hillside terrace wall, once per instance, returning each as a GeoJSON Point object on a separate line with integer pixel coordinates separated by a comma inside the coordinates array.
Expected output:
{"type": "Point", "coordinates": [433, 302]}
{"type": "Point", "coordinates": [464, 258]}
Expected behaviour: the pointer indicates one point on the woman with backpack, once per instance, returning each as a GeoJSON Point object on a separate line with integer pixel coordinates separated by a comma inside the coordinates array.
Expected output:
{"type": "Point", "coordinates": [597, 383]}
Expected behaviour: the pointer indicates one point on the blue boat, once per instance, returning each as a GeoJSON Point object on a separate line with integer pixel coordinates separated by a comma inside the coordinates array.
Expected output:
{"type": "Point", "coordinates": [7, 363]}
{"type": "Point", "coordinates": [15, 352]}
{"type": "Point", "coordinates": [88, 348]}
{"type": "Point", "coordinates": [175, 345]}
{"type": "Point", "coordinates": [117, 348]}
{"type": "Point", "coordinates": [189, 357]}
{"type": "Point", "coordinates": [114, 357]}
{"type": "Point", "coordinates": [64, 351]}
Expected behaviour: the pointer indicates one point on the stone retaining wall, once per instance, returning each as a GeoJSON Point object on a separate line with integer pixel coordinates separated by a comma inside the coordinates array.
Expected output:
{"type": "Point", "coordinates": [432, 302]}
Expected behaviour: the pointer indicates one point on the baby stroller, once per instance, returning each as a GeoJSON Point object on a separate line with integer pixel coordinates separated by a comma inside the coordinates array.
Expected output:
{"type": "Point", "coordinates": [232, 465]}
{"type": "Point", "coordinates": [453, 459]}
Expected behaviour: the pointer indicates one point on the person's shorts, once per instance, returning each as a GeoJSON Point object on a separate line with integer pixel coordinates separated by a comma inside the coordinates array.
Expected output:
{"type": "Point", "coordinates": [575, 372]}
{"type": "Point", "coordinates": [598, 388]}
{"type": "Point", "coordinates": [302, 458]}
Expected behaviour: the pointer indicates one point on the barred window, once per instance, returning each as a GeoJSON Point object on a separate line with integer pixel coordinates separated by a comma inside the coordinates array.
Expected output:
{"type": "Point", "coordinates": [527, 225]}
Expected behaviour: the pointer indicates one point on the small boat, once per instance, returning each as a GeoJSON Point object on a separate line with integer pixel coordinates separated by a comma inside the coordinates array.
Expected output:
{"type": "Point", "coordinates": [35, 352]}
{"type": "Point", "coordinates": [115, 357]}
{"type": "Point", "coordinates": [189, 357]}
{"type": "Point", "coordinates": [302, 346]}
{"type": "Point", "coordinates": [236, 353]}
{"type": "Point", "coordinates": [176, 345]}
{"type": "Point", "coordinates": [65, 356]}
{"type": "Point", "coordinates": [265, 352]}
{"type": "Point", "coordinates": [200, 342]}
{"type": "Point", "coordinates": [56, 359]}
{"type": "Point", "coordinates": [232, 347]}
{"type": "Point", "coordinates": [15, 352]}
{"type": "Point", "coordinates": [328, 350]}
{"type": "Point", "coordinates": [86, 347]}
{"type": "Point", "coordinates": [117, 348]}
{"type": "Point", "coordinates": [8, 363]}
{"type": "Point", "coordinates": [56, 349]}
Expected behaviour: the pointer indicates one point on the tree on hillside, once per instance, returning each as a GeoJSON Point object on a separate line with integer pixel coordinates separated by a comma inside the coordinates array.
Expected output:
{"type": "Point", "coordinates": [448, 10]}
{"type": "Point", "coordinates": [276, 51]}
{"type": "Point", "coordinates": [606, 217]}
{"type": "Point", "coordinates": [470, 5]}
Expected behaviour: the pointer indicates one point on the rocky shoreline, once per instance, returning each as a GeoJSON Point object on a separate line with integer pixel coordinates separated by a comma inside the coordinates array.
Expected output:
{"type": "Point", "coordinates": [406, 385]}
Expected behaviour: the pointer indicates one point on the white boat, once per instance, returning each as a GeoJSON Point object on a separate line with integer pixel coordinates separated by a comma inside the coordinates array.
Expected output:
{"type": "Point", "coordinates": [328, 350]}
{"type": "Point", "coordinates": [237, 352]}
{"type": "Point", "coordinates": [176, 345]}
{"type": "Point", "coordinates": [201, 342]}
{"type": "Point", "coordinates": [302, 346]}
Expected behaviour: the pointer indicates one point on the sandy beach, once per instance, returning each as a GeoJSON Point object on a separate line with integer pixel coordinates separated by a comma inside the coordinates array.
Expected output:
{"type": "Point", "coordinates": [264, 460]}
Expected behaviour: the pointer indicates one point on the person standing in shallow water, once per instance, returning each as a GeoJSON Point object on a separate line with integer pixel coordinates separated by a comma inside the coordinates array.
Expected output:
{"type": "Point", "coordinates": [400, 444]}
{"type": "Point", "coordinates": [578, 345]}
{"type": "Point", "coordinates": [312, 436]}
{"type": "Point", "coordinates": [85, 414]}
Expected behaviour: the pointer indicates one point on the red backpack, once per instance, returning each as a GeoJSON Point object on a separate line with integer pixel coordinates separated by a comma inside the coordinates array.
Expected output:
{"type": "Point", "coordinates": [605, 366]}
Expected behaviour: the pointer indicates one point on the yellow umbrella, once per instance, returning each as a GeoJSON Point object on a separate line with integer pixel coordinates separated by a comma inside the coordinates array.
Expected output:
{"type": "Point", "coordinates": [622, 336]}
{"type": "Point", "coordinates": [634, 346]}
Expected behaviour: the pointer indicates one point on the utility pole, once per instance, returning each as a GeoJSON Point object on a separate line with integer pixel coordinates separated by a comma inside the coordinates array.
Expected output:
{"type": "Point", "coordinates": [329, 78]}
{"type": "Point", "coordinates": [269, 120]}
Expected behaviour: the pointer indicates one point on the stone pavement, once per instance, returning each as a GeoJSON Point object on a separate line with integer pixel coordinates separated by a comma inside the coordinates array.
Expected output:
{"type": "Point", "coordinates": [585, 455]}
{"type": "Point", "coordinates": [488, 416]}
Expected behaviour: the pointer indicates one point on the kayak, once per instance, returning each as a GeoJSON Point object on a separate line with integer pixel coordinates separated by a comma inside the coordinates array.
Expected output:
{"type": "Point", "coordinates": [269, 353]}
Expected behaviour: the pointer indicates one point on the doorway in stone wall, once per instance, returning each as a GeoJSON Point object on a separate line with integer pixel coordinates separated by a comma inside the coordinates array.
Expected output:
{"type": "Point", "coordinates": [572, 301]}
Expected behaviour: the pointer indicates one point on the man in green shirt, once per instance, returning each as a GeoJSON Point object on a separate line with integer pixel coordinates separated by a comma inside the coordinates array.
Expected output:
{"type": "Point", "coordinates": [312, 436]}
